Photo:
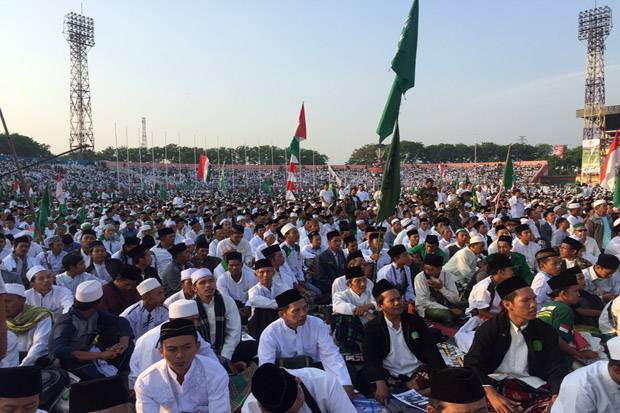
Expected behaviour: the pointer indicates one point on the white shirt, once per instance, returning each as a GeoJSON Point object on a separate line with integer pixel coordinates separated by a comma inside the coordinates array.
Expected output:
{"type": "Point", "coordinates": [255, 242]}
{"type": "Point", "coordinates": [243, 247]}
{"type": "Point", "coordinates": [397, 277]}
{"type": "Point", "coordinates": [35, 342]}
{"type": "Point", "coordinates": [260, 296]}
{"type": "Point", "coordinates": [463, 265]}
{"type": "Point", "coordinates": [600, 286]}
{"type": "Point", "coordinates": [50, 261]}
{"type": "Point", "coordinates": [311, 339]}
{"type": "Point", "coordinates": [515, 363]}
{"type": "Point", "coordinates": [528, 250]}
{"type": "Point", "coordinates": [424, 300]}
{"type": "Point", "coordinates": [589, 389]}
{"type": "Point", "coordinates": [400, 360]}
{"type": "Point", "coordinates": [100, 271]}
{"type": "Point", "coordinates": [541, 288]}
{"type": "Point", "coordinates": [71, 283]}
{"type": "Point", "coordinates": [340, 284]}
{"type": "Point", "coordinates": [162, 257]}
{"type": "Point", "coordinates": [607, 325]}
{"type": "Point", "coordinates": [141, 320]}
{"type": "Point", "coordinates": [345, 302]}
{"type": "Point", "coordinates": [146, 353]}
{"type": "Point", "coordinates": [204, 388]}
{"type": "Point", "coordinates": [480, 297]}
{"type": "Point", "coordinates": [324, 388]}
{"type": "Point", "coordinates": [517, 207]}
{"type": "Point", "coordinates": [179, 295]}
{"type": "Point", "coordinates": [232, 334]}
{"type": "Point", "coordinates": [237, 290]}
{"type": "Point", "coordinates": [59, 300]}
{"type": "Point", "coordinates": [11, 359]}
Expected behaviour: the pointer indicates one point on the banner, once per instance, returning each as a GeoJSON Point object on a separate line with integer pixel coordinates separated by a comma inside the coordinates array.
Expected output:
{"type": "Point", "coordinates": [591, 157]}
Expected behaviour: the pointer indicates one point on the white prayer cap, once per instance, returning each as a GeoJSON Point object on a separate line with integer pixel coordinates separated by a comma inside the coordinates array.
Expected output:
{"type": "Point", "coordinates": [187, 274]}
{"type": "Point", "coordinates": [286, 228]}
{"type": "Point", "coordinates": [147, 285]}
{"type": "Point", "coordinates": [422, 214]}
{"type": "Point", "coordinates": [467, 205]}
{"type": "Point", "coordinates": [476, 239]}
{"type": "Point", "coordinates": [613, 345]}
{"type": "Point", "coordinates": [293, 215]}
{"type": "Point", "coordinates": [405, 222]}
{"type": "Point", "coordinates": [524, 220]}
{"type": "Point", "coordinates": [268, 233]}
{"type": "Point", "coordinates": [182, 308]}
{"type": "Point", "coordinates": [495, 221]}
{"type": "Point", "coordinates": [360, 221]}
{"type": "Point", "coordinates": [240, 218]}
{"type": "Point", "coordinates": [224, 220]}
{"type": "Point", "coordinates": [315, 216]}
{"type": "Point", "coordinates": [394, 221]}
{"type": "Point", "coordinates": [575, 205]}
{"type": "Point", "coordinates": [201, 273]}
{"type": "Point", "coordinates": [17, 289]}
{"type": "Point", "coordinates": [557, 208]}
{"type": "Point", "coordinates": [24, 233]}
{"type": "Point", "coordinates": [145, 227]}
{"type": "Point", "coordinates": [88, 291]}
{"type": "Point", "coordinates": [617, 222]}
{"type": "Point", "coordinates": [34, 271]}
{"type": "Point", "coordinates": [189, 241]}
{"type": "Point", "coordinates": [599, 202]}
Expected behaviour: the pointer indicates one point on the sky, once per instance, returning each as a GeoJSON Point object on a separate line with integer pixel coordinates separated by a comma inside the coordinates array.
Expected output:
{"type": "Point", "coordinates": [236, 72]}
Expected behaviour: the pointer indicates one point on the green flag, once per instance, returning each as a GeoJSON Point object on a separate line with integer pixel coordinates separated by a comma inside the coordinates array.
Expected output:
{"type": "Point", "coordinates": [390, 184]}
{"type": "Point", "coordinates": [63, 210]}
{"type": "Point", "coordinates": [403, 65]}
{"type": "Point", "coordinates": [267, 185]}
{"type": "Point", "coordinates": [222, 180]}
{"type": "Point", "coordinates": [44, 213]}
{"type": "Point", "coordinates": [509, 173]}
{"type": "Point", "coordinates": [616, 198]}
{"type": "Point", "coordinates": [163, 194]}
{"type": "Point", "coordinates": [82, 215]}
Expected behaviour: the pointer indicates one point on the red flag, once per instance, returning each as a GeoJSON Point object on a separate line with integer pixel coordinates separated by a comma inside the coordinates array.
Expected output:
{"type": "Point", "coordinates": [442, 169]}
{"type": "Point", "coordinates": [300, 133]}
{"type": "Point", "coordinates": [203, 168]}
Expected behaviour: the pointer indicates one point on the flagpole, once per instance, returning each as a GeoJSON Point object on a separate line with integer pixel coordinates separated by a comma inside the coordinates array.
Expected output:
{"type": "Point", "coordinates": [232, 165]}
{"type": "Point", "coordinates": [118, 165]}
{"type": "Point", "coordinates": [271, 145]}
{"type": "Point", "coordinates": [299, 172]}
{"type": "Point", "coordinates": [245, 155]}
{"type": "Point", "coordinates": [153, 159]}
{"type": "Point", "coordinates": [179, 148]}
{"type": "Point", "coordinates": [140, 159]}
{"type": "Point", "coordinates": [313, 172]}
{"type": "Point", "coordinates": [218, 152]}
{"type": "Point", "coordinates": [286, 168]}
{"type": "Point", "coordinates": [128, 168]}
{"type": "Point", "coordinates": [166, 156]}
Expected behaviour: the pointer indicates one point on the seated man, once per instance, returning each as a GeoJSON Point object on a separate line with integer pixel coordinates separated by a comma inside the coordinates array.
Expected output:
{"type": "Point", "coordinates": [275, 389]}
{"type": "Point", "coordinates": [147, 352]}
{"type": "Point", "coordinates": [437, 298]}
{"type": "Point", "coordinates": [353, 308]}
{"type": "Point", "coordinates": [20, 388]}
{"type": "Point", "coordinates": [593, 388]}
{"type": "Point", "coordinates": [429, 246]}
{"type": "Point", "coordinates": [517, 356]}
{"type": "Point", "coordinates": [262, 298]}
{"type": "Point", "coordinates": [398, 348]}
{"type": "Point", "coordinates": [602, 278]}
{"type": "Point", "coordinates": [283, 275]}
{"type": "Point", "coordinates": [236, 282]}
{"type": "Point", "coordinates": [74, 266]}
{"type": "Point", "coordinates": [570, 250]}
{"type": "Point", "coordinates": [99, 262]}
{"type": "Point", "coordinates": [44, 293]}
{"type": "Point", "coordinates": [187, 289]}
{"type": "Point", "coordinates": [183, 381]}
{"type": "Point", "coordinates": [455, 390]}
{"type": "Point", "coordinates": [465, 263]}
{"type": "Point", "coordinates": [220, 323]}
{"type": "Point", "coordinates": [559, 314]}
{"type": "Point", "coordinates": [31, 325]}
{"type": "Point", "coordinates": [519, 263]}
{"type": "Point", "coordinates": [398, 273]}
{"type": "Point", "coordinates": [355, 259]}
{"type": "Point", "coordinates": [92, 343]}
{"type": "Point", "coordinates": [330, 263]}
{"type": "Point", "coordinates": [171, 274]}
{"type": "Point", "coordinates": [148, 312]}
{"type": "Point", "coordinates": [550, 266]}
{"type": "Point", "coordinates": [121, 292]}
{"type": "Point", "coordinates": [52, 259]}
{"type": "Point", "coordinates": [296, 334]}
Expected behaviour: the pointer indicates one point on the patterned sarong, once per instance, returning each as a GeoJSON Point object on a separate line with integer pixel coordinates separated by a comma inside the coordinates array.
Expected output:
{"type": "Point", "coordinates": [532, 400]}
{"type": "Point", "coordinates": [348, 333]}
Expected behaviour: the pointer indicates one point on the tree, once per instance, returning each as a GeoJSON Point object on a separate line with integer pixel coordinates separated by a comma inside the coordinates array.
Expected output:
{"type": "Point", "coordinates": [366, 154]}
{"type": "Point", "coordinates": [25, 146]}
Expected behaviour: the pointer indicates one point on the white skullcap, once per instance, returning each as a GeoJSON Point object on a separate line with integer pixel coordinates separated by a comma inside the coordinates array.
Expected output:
{"type": "Point", "coordinates": [182, 308]}
{"type": "Point", "coordinates": [496, 220]}
{"type": "Point", "coordinates": [88, 291]}
{"type": "Point", "coordinates": [201, 273]}
{"type": "Point", "coordinates": [405, 222]}
{"type": "Point", "coordinates": [524, 220]}
{"type": "Point", "coordinates": [268, 233]}
{"type": "Point", "coordinates": [17, 289]}
{"type": "Point", "coordinates": [476, 239]}
{"type": "Point", "coordinates": [188, 241]}
{"type": "Point", "coordinates": [240, 218]}
{"type": "Point", "coordinates": [617, 222]}
{"type": "Point", "coordinates": [145, 227]}
{"type": "Point", "coordinates": [613, 345]}
{"type": "Point", "coordinates": [599, 202]}
{"type": "Point", "coordinates": [34, 271]}
{"type": "Point", "coordinates": [187, 274]}
{"type": "Point", "coordinates": [467, 205]}
{"type": "Point", "coordinates": [315, 216]}
{"type": "Point", "coordinates": [360, 221]}
{"type": "Point", "coordinates": [147, 285]}
{"type": "Point", "coordinates": [557, 208]}
{"type": "Point", "coordinates": [224, 220]}
{"type": "Point", "coordinates": [394, 221]}
{"type": "Point", "coordinates": [286, 228]}
{"type": "Point", "coordinates": [573, 205]}
{"type": "Point", "coordinates": [293, 215]}
{"type": "Point", "coordinates": [24, 233]}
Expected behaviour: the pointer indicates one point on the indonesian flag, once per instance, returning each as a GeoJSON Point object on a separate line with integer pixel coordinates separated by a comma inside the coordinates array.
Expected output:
{"type": "Point", "coordinates": [16, 186]}
{"type": "Point", "coordinates": [300, 135]}
{"type": "Point", "coordinates": [442, 169]}
{"type": "Point", "coordinates": [29, 188]}
{"type": "Point", "coordinates": [610, 167]}
{"type": "Point", "coordinates": [204, 168]}
{"type": "Point", "coordinates": [59, 194]}
{"type": "Point", "coordinates": [497, 197]}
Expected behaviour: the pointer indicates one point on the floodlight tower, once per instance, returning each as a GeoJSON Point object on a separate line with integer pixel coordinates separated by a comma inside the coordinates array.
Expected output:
{"type": "Point", "coordinates": [143, 141]}
{"type": "Point", "coordinates": [79, 32]}
{"type": "Point", "coordinates": [594, 27]}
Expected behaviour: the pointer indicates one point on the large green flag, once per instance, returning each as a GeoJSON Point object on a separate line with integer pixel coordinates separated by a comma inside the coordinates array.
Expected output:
{"type": "Point", "coordinates": [403, 65]}
{"type": "Point", "coordinates": [616, 198]}
{"type": "Point", "coordinates": [44, 213]}
{"type": "Point", "coordinates": [509, 172]}
{"type": "Point", "coordinates": [390, 184]}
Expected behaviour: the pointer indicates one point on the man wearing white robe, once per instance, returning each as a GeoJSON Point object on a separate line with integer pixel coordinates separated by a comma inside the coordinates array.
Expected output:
{"type": "Point", "coordinates": [148, 312]}
{"type": "Point", "coordinates": [43, 293]}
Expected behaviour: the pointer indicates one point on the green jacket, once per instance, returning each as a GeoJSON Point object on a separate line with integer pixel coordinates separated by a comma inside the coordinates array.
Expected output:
{"type": "Point", "coordinates": [420, 249]}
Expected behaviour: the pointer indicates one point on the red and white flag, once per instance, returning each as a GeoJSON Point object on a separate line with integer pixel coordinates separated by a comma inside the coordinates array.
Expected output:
{"type": "Point", "coordinates": [300, 135]}
{"type": "Point", "coordinates": [16, 186]}
{"type": "Point", "coordinates": [442, 169]}
{"type": "Point", "coordinates": [204, 168]}
{"type": "Point", "coordinates": [59, 194]}
{"type": "Point", "coordinates": [610, 167]}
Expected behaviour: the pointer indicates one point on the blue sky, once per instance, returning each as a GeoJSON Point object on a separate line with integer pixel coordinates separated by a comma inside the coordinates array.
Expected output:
{"type": "Point", "coordinates": [237, 71]}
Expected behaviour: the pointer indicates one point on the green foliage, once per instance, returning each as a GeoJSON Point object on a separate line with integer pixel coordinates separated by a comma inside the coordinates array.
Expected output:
{"type": "Point", "coordinates": [568, 165]}
{"type": "Point", "coordinates": [228, 155]}
{"type": "Point", "coordinates": [24, 146]}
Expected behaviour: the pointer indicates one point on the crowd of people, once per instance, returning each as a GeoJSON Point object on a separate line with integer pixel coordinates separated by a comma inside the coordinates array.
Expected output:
{"type": "Point", "coordinates": [210, 300]}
